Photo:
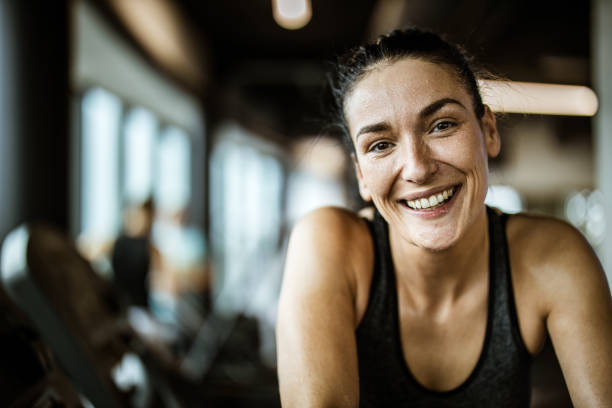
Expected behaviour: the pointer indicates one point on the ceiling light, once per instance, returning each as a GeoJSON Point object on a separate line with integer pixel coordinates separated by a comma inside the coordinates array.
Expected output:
{"type": "Point", "coordinates": [160, 29]}
{"type": "Point", "coordinates": [291, 14]}
{"type": "Point", "coordinates": [537, 98]}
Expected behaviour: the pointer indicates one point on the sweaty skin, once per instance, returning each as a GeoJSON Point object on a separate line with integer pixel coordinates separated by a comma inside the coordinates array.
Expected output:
{"type": "Point", "coordinates": [415, 133]}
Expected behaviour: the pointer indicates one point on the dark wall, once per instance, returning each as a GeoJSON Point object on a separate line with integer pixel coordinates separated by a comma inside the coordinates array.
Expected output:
{"type": "Point", "coordinates": [34, 112]}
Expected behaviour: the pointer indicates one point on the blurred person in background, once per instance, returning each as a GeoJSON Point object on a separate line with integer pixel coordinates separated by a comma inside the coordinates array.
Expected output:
{"type": "Point", "coordinates": [160, 273]}
{"type": "Point", "coordinates": [438, 300]}
{"type": "Point", "coordinates": [132, 253]}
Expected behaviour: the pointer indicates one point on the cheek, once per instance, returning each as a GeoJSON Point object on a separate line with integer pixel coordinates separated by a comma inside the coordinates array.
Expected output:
{"type": "Point", "coordinates": [378, 176]}
{"type": "Point", "coordinates": [465, 153]}
{"type": "Point", "coordinates": [473, 161]}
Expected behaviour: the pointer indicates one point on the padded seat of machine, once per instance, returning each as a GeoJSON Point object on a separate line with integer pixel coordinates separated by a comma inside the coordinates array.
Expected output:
{"type": "Point", "coordinates": [69, 304]}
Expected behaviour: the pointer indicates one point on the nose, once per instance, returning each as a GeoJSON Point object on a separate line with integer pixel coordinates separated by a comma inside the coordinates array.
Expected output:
{"type": "Point", "coordinates": [417, 165]}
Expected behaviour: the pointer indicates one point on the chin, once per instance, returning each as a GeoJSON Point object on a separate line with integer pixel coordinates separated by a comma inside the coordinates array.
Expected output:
{"type": "Point", "coordinates": [434, 245]}
{"type": "Point", "coordinates": [441, 237]}
{"type": "Point", "coordinates": [434, 240]}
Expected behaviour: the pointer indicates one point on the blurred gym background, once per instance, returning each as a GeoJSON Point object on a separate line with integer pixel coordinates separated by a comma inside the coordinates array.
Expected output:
{"type": "Point", "coordinates": [172, 144]}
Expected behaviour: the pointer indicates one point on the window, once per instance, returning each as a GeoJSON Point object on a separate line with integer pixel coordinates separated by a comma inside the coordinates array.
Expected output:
{"type": "Point", "coordinates": [246, 215]}
{"type": "Point", "coordinates": [101, 117]}
{"type": "Point", "coordinates": [139, 147]}
{"type": "Point", "coordinates": [173, 175]}
{"type": "Point", "coordinates": [126, 159]}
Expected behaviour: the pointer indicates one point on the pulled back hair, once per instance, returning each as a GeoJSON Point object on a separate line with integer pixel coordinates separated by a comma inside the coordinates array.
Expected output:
{"type": "Point", "coordinates": [409, 42]}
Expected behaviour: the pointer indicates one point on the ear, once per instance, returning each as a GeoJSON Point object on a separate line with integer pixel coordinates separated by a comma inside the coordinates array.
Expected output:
{"type": "Point", "coordinates": [363, 188]}
{"type": "Point", "coordinates": [491, 137]}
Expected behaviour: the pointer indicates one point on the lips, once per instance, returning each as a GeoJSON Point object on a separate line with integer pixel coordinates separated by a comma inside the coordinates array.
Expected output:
{"type": "Point", "coordinates": [429, 202]}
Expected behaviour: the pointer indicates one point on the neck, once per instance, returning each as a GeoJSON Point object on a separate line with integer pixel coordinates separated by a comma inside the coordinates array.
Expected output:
{"type": "Point", "coordinates": [434, 278]}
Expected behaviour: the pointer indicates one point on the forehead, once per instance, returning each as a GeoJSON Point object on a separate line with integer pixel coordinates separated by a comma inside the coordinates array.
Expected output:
{"type": "Point", "coordinates": [401, 87]}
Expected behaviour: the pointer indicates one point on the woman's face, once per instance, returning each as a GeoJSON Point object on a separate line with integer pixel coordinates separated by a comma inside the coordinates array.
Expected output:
{"type": "Point", "coordinates": [421, 152]}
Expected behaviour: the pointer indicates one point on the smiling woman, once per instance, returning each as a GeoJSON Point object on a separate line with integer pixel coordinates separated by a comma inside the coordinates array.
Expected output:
{"type": "Point", "coordinates": [438, 301]}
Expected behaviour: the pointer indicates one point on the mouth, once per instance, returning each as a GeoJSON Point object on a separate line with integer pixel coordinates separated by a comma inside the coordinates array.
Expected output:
{"type": "Point", "coordinates": [432, 201]}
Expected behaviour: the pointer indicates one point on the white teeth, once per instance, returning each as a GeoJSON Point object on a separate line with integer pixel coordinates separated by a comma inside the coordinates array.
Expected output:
{"type": "Point", "coordinates": [433, 200]}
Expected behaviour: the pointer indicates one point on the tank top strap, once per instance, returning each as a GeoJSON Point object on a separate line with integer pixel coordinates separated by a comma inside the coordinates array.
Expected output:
{"type": "Point", "coordinates": [382, 301]}
{"type": "Point", "coordinates": [502, 307]}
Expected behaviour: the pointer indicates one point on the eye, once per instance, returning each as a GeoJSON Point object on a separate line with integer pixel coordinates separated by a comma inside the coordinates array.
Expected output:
{"type": "Point", "coordinates": [443, 125]}
{"type": "Point", "coordinates": [379, 147]}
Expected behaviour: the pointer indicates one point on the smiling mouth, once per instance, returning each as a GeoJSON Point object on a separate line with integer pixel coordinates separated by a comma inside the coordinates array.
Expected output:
{"type": "Point", "coordinates": [433, 201]}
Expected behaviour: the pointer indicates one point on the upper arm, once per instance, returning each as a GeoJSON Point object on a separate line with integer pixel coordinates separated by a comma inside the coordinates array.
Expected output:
{"type": "Point", "coordinates": [579, 318]}
{"type": "Point", "coordinates": [317, 356]}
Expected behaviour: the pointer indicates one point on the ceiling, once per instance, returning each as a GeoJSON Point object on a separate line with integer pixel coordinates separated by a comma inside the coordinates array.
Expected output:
{"type": "Point", "coordinates": [273, 77]}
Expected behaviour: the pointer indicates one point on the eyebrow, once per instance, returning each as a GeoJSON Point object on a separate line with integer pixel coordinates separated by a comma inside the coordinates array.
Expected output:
{"type": "Point", "coordinates": [375, 128]}
{"type": "Point", "coordinates": [426, 111]}
{"type": "Point", "coordinates": [437, 105]}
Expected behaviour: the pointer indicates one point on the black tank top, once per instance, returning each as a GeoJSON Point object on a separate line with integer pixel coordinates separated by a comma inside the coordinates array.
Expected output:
{"type": "Point", "coordinates": [501, 377]}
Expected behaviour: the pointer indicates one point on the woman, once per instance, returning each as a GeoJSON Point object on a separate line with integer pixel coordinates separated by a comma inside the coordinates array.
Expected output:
{"type": "Point", "coordinates": [440, 301]}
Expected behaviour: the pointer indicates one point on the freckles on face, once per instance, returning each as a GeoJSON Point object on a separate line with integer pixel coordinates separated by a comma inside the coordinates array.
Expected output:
{"type": "Point", "coordinates": [392, 104]}
{"type": "Point", "coordinates": [414, 131]}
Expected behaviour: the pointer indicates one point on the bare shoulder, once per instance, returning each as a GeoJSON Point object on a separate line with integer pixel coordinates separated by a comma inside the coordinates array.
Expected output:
{"type": "Point", "coordinates": [331, 232]}
{"type": "Point", "coordinates": [553, 256]}
{"type": "Point", "coordinates": [316, 347]}
{"type": "Point", "coordinates": [560, 282]}
{"type": "Point", "coordinates": [330, 251]}
{"type": "Point", "coordinates": [331, 220]}
{"type": "Point", "coordinates": [543, 240]}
